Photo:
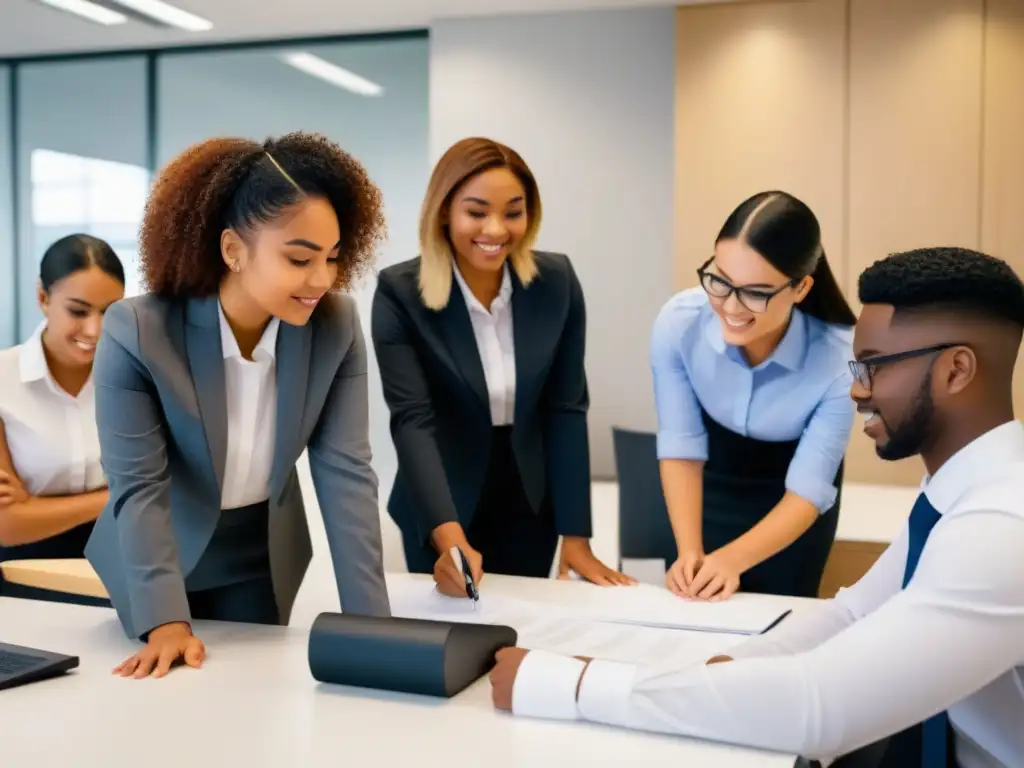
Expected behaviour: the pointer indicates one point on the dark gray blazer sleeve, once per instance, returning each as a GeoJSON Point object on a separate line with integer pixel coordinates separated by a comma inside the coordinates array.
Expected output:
{"type": "Point", "coordinates": [346, 485]}
{"type": "Point", "coordinates": [133, 451]}
{"type": "Point", "coordinates": [565, 403]}
{"type": "Point", "coordinates": [412, 413]}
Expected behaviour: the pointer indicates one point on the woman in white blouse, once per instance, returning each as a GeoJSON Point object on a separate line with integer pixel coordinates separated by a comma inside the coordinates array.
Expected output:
{"type": "Point", "coordinates": [52, 487]}
{"type": "Point", "coordinates": [480, 342]}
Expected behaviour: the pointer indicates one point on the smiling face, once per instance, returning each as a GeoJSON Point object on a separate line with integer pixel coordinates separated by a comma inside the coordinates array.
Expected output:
{"type": "Point", "coordinates": [898, 406]}
{"type": "Point", "coordinates": [74, 309]}
{"type": "Point", "coordinates": [287, 265]}
{"type": "Point", "coordinates": [487, 220]}
{"type": "Point", "coordinates": [743, 322]}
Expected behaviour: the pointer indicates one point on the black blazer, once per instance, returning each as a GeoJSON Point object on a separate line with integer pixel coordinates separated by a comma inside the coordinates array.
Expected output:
{"type": "Point", "coordinates": [440, 413]}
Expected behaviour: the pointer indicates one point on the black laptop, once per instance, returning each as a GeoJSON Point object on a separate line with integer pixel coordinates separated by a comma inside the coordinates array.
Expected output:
{"type": "Point", "coordinates": [20, 665]}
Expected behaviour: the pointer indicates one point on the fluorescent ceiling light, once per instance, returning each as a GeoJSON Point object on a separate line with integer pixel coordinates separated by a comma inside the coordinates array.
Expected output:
{"type": "Point", "coordinates": [332, 73]}
{"type": "Point", "coordinates": [88, 10]}
{"type": "Point", "coordinates": [167, 14]}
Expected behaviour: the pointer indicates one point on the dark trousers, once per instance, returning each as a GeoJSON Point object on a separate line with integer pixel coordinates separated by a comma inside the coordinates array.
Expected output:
{"type": "Point", "coordinates": [901, 750]}
{"type": "Point", "coordinates": [231, 581]}
{"type": "Point", "coordinates": [512, 538]}
{"type": "Point", "coordinates": [248, 601]}
{"type": "Point", "coordinates": [67, 545]}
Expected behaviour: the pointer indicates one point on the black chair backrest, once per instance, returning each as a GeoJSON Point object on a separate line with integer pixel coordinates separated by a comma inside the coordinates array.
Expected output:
{"type": "Point", "coordinates": [644, 527]}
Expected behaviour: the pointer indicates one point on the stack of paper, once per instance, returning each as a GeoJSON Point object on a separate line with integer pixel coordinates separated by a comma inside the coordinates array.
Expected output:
{"type": "Point", "coordinates": [547, 627]}
{"type": "Point", "coordinates": [657, 607]}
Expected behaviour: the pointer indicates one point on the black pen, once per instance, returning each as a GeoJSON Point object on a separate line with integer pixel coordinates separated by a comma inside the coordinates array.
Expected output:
{"type": "Point", "coordinates": [460, 560]}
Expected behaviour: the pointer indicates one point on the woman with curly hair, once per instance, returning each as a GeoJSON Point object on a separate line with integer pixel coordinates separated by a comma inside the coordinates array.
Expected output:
{"type": "Point", "coordinates": [208, 389]}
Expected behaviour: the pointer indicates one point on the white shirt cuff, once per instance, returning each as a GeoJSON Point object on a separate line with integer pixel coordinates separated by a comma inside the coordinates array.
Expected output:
{"type": "Point", "coordinates": [545, 686]}
{"type": "Point", "coordinates": [605, 692]}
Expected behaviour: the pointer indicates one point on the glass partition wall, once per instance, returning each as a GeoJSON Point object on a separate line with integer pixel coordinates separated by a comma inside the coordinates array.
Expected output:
{"type": "Point", "coordinates": [82, 137]}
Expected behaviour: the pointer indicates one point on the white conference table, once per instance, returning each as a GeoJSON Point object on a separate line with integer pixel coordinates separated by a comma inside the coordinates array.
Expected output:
{"type": "Point", "coordinates": [254, 703]}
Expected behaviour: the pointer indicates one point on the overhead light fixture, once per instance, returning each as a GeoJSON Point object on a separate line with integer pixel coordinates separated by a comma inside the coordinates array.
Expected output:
{"type": "Point", "coordinates": [332, 73]}
{"type": "Point", "coordinates": [168, 14]}
{"type": "Point", "coordinates": [88, 10]}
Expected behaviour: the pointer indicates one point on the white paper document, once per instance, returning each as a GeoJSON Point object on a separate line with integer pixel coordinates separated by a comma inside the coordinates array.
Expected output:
{"type": "Point", "coordinates": [651, 606]}
{"type": "Point", "coordinates": [542, 626]}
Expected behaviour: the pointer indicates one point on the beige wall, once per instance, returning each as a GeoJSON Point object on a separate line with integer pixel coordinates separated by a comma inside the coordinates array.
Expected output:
{"type": "Point", "coordinates": [900, 122]}
{"type": "Point", "coordinates": [1002, 180]}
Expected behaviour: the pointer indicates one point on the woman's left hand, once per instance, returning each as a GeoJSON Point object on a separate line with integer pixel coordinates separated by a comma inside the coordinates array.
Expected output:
{"type": "Point", "coordinates": [717, 579]}
{"type": "Point", "coordinates": [11, 490]}
{"type": "Point", "coordinates": [578, 557]}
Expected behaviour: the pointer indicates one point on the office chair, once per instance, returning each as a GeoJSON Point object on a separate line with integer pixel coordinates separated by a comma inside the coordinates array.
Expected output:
{"type": "Point", "coordinates": [644, 528]}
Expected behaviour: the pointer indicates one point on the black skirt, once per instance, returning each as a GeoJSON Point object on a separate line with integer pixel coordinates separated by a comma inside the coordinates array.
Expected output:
{"type": "Point", "coordinates": [512, 538]}
{"type": "Point", "coordinates": [744, 479]}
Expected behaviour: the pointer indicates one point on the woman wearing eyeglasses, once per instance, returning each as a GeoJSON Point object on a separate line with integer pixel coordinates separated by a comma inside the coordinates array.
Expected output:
{"type": "Point", "coordinates": [752, 387]}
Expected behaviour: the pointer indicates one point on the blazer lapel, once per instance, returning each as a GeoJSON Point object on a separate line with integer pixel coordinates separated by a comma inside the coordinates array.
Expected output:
{"type": "Point", "coordinates": [292, 355]}
{"type": "Point", "coordinates": [457, 329]}
{"type": "Point", "coordinates": [206, 361]}
{"type": "Point", "coordinates": [530, 331]}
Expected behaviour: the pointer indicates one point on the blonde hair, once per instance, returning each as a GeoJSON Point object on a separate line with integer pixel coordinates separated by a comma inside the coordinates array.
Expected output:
{"type": "Point", "coordinates": [464, 160]}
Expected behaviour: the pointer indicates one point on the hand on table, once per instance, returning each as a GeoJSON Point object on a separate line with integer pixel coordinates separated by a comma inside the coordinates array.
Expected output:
{"type": "Point", "coordinates": [578, 557]}
{"type": "Point", "coordinates": [680, 574]}
{"type": "Point", "coordinates": [11, 490]}
{"type": "Point", "coordinates": [447, 574]}
{"type": "Point", "coordinates": [167, 644]}
{"type": "Point", "coordinates": [717, 579]}
{"type": "Point", "coordinates": [503, 675]}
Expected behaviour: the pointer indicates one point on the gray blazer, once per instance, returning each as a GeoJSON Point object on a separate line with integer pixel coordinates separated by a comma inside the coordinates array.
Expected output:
{"type": "Point", "coordinates": [160, 411]}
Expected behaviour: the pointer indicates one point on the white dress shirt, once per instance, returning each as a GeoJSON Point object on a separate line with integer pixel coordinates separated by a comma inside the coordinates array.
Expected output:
{"type": "Point", "coordinates": [251, 388]}
{"type": "Point", "coordinates": [51, 435]}
{"type": "Point", "coordinates": [495, 343]}
{"type": "Point", "coordinates": [871, 662]}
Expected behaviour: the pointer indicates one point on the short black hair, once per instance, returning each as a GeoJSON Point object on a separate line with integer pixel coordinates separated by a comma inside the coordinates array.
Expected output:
{"type": "Point", "coordinates": [957, 278]}
{"type": "Point", "coordinates": [73, 254]}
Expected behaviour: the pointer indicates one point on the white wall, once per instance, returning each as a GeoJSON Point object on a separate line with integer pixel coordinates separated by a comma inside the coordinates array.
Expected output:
{"type": "Point", "coordinates": [588, 100]}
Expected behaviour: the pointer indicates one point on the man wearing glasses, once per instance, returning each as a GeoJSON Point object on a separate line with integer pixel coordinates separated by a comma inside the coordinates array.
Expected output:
{"type": "Point", "coordinates": [929, 645]}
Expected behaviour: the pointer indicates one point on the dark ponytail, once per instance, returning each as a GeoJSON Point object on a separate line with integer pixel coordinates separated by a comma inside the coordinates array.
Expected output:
{"type": "Point", "coordinates": [73, 254]}
{"type": "Point", "coordinates": [825, 300]}
{"type": "Point", "coordinates": [786, 233]}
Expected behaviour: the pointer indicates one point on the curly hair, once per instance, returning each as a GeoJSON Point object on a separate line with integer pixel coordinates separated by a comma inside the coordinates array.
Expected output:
{"type": "Point", "coordinates": [234, 183]}
{"type": "Point", "coordinates": [945, 277]}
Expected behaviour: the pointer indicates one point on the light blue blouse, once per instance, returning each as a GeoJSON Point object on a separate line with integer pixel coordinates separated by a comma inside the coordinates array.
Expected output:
{"type": "Point", "coordinates": [801, 391]}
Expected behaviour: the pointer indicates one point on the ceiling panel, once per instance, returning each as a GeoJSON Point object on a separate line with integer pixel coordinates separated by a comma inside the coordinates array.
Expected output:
{"type": "Point", "coordinates": [28, 27]}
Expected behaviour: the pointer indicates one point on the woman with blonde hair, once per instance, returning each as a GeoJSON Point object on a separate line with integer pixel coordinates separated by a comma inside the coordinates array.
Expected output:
{"type": "Point", "coordinates": [480, 342]}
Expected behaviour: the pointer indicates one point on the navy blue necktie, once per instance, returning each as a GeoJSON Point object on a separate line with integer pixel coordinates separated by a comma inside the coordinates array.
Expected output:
{"type": "Point", "coordinates": [933, 730]}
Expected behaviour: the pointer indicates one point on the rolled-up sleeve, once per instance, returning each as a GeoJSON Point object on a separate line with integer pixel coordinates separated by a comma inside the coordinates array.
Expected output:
{"type": "Point", "coordinates": [681, 433]}
{"type": "Point", "coordinates": [812, 472]}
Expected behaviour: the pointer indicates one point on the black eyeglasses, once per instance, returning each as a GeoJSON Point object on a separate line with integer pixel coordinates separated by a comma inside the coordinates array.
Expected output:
{"type": "Point", "coordinates": [863, 370]}
{"type": "Point", "coordinates": [754, 299]}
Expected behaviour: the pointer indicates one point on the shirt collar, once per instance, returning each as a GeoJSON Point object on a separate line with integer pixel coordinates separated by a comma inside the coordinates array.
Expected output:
{"type": "Point", "coordinates": [265, 350]}
{"type": "Point", "coordinates": [31, 359]}
{"type": "Point", "coordinates": [33, 366]}
{"type": "Point", "coordinates": [789, 353]}
{"type": "Point", "coordinates": [474, 304]}
{"type": "Point", "coordinates": [985, 456]}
